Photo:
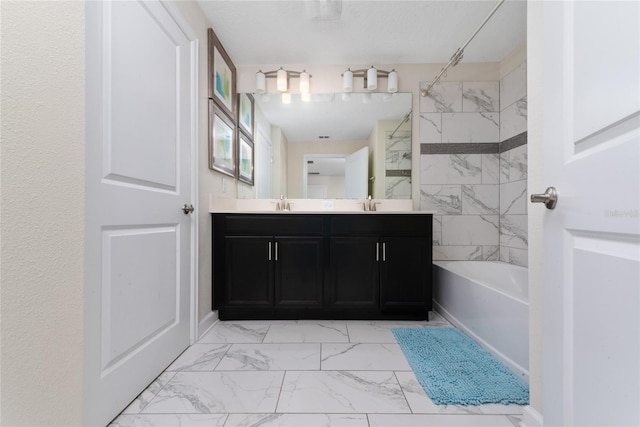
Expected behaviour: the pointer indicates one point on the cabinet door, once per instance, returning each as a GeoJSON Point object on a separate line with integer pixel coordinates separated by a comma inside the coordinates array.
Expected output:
{"type": "Point", "coordinates": [249, 272]}
{"type": "Point", "coordinates": [354, 272]}
{"type": "Point", "coordinates": [405, 270]}
{"type": "Point", "coordinates": [298, 272]}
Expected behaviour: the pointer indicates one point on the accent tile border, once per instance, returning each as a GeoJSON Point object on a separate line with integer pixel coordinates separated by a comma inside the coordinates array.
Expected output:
{"type": "Point", "coordinates": [513, 142]}
{"type": "Point", "coordinates": [460, 148]}
{"type": "Point", "coordinates": [398, 172]}
{"type": "Point", "coordinates": [475, 148]}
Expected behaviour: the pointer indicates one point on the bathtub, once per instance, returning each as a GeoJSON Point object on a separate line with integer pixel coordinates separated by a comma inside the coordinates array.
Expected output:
{"type": "Point", "coordinates": [488, 300]}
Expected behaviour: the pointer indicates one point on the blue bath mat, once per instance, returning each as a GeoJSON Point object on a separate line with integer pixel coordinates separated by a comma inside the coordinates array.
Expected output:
{"type": "Point", "coordinates": [455, 370]}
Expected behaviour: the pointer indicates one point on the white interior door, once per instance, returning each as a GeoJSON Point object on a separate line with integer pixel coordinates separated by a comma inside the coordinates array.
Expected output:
{"type": "Point", "coordinates": [356, 174]}
{"type": "Point", "coordinates": [138, 159]}
{"type": "Point", "coordinates": [263, 167]}
{"type": "Point", "coordinates": [591, 128]}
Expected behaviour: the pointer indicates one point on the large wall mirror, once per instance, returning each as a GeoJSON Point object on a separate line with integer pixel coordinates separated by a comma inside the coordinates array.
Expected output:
{"type": "Point", "coordinates": [338, 145]}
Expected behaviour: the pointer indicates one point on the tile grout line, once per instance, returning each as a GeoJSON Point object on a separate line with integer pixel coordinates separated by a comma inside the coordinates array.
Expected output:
{"type": "Point", "coordinates": [230, 346]}
{"type": "Point", "coordinates": [402, 390]}
{"type": "Point", "coordinates": [173, 374]}
{"type": "Point", "coordinates": [275, 410]}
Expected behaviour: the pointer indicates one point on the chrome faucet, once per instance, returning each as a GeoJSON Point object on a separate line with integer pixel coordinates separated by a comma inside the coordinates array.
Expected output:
{"type": "Point", "coordinates": [283, 205]}
{"type": "Point", "coordinates": [369, 205]}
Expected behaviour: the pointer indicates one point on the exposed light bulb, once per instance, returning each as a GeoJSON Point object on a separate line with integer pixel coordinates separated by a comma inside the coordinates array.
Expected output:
{"type": "Point", "coordinates": [372, 79]}
{"type": "Point", "coordinates": [347, 81]}
{"type": "Point", "coordinates": [392, 82]}
{"type": "Point", "coordinates": [282, 83]}
{"type": "Point", "coordinates": [304, 82]}
{"type": "Point", "coordinates": [261, 82]}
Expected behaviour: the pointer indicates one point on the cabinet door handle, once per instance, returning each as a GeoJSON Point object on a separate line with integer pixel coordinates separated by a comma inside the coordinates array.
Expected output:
{"type": "Point", "coordinates": [269, 251]}
{"type": "Point", "coordinates": [377, 251]}
{"type": "Point", "coordinates": [276, 251]}
{"type": "Point", "coordinates": [384, 251]}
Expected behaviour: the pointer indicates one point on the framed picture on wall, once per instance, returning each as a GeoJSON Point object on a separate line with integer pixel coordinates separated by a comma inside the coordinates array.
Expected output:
{"type": "Point", "coordinates": [245, 159]}
{"type": "Point", "coordinates": [222, 76]}
{"type": "Point", "coordinates": [245, 113]}
{"type": "Point", "coordinates": [222, 154]}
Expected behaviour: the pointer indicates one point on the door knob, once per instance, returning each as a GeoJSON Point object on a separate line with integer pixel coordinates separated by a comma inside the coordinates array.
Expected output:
{"type": "Point", "coordinates": [187, 209]}
{"type": "Point", "coordinates": [549, 198]}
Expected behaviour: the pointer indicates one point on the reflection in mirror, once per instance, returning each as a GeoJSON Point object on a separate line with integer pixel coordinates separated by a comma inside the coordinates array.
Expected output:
{"type": "Point", "coordinates": [325, 176]}
{"type": "Point", "coordinates": [336, 126]}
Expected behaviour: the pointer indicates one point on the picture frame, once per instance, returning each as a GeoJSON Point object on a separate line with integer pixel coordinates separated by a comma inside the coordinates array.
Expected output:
{"type": "Point", "coordinates": [246, 108]}
{"type": "Point", "coordinates": [222, 138]}
{"type": "Point", "coordinates": [222, 76]}
{"type": "Point", "coordinates": [246, 159]}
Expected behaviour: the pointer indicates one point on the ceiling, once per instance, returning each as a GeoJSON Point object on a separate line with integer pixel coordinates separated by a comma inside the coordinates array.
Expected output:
{"type": "Point", "coordinates": [380, 32]}
{"type": "Point", "coordinates": [360, 32]}
{"type": "Point", "coordinates": [332, 116]}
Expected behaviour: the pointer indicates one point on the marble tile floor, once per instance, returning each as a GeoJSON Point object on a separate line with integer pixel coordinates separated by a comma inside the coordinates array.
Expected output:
{"type": "Point", "coordinates": [300, 374]}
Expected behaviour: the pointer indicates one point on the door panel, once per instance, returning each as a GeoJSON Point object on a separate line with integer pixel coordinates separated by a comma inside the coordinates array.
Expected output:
{"type": "Point", "coordinates": [133, 277]}
{"type": "Point", "coordinates": [263, 168]}
{"type": "Point", "coordinates": [356, 174]}
{"type": "Point", "coordinates": [249, 271]}
{"type": "Point", "coordinates": [591, 265]}
{"type": "Point", "coordinates": [354, 272]}
{"type": "Point", "coordinates": [138, 175]}
{"type": "Point", "coordinates": [604, 270]}
{"type": "Point", "coordinates": [298, 272]}
{"type": "Point", "coordinates": [404, 272]}
{"type": "Point", "coordinates": [145, 48]}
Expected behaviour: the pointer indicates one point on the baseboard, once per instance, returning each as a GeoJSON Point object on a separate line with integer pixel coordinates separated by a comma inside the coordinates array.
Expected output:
{"type": "Point", "coordinates": [513, 366]}
{"type": "Point", "coordinates": [531, 417]}
{"type": "Point", "coordinates": [207, 323]}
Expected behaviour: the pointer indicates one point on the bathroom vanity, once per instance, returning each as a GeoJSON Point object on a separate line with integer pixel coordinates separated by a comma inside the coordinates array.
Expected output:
{"type": "Point", "coordinates": [299, 265]}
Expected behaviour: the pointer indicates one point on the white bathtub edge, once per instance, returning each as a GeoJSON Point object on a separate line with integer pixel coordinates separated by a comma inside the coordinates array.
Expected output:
{"type": "Point", "coordinates": [531, 417]}
{"type": "Point", "coordinates": [513, 366]}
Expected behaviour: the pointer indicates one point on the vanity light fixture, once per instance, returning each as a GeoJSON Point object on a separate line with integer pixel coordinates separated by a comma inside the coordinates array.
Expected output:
{"type": "Point", "coordinates": [370, 77]}
{"type": "Point", "coordinates": [282, 77]}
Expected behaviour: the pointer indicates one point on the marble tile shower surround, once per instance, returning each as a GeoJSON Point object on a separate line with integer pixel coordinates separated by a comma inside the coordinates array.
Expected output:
{"type": "Point", "coordinates": [397, 180]}
{"type": "Point", "coordinates": [465, 177]}
{"type": "Point", "coordinates": [300, 373]}
{"type": "Point", "coordinates": [513, 168]}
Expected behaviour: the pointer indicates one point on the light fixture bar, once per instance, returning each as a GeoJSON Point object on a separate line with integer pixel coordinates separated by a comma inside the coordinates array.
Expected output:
{"type": "Point", "coordinates": [457, 56]}
{"type": "Point", "coordinates": [283, 76]}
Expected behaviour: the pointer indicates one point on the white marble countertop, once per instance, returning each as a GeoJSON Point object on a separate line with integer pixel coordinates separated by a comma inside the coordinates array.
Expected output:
{"type": "Point", "coordinates": [325, 212]}
{"type": "Point", "coordinates": [312, 206]}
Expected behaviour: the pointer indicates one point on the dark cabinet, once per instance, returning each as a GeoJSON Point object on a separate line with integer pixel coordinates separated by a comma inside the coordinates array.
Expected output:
{"type": "Point", "coordinates": [405, 273]}
{"type": "Point", "coordinates": [265, 266]}
{"type": "Point", "coordinates": [353, 277]}
{"type": "Point", "coordinates": [248, 279]}
{"type": "Point", "coordinates": [382, 262]}
{"type": "Point", "coordinates": [296, 266]}
{"type": "Point", "coordinates": [298, 272]}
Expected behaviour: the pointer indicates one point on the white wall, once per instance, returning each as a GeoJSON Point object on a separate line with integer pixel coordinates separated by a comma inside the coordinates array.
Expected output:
{"type": "Point", "coordinates": [334, 184]}
{"type": "Point", "coordinates": [280, 146]}
{"type": "Point", "coordinates": [42, 212]}
{"type": "Point", "coordinates": [297, 150]}
{"type": "Point", "coordinates": [209, 182]}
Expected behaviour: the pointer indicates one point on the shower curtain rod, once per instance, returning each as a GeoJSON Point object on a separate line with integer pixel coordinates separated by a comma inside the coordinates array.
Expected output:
{"type": "Point", "coordinates": [457, 56]}
{"type": "Point", "coordinates": [406, 117]}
